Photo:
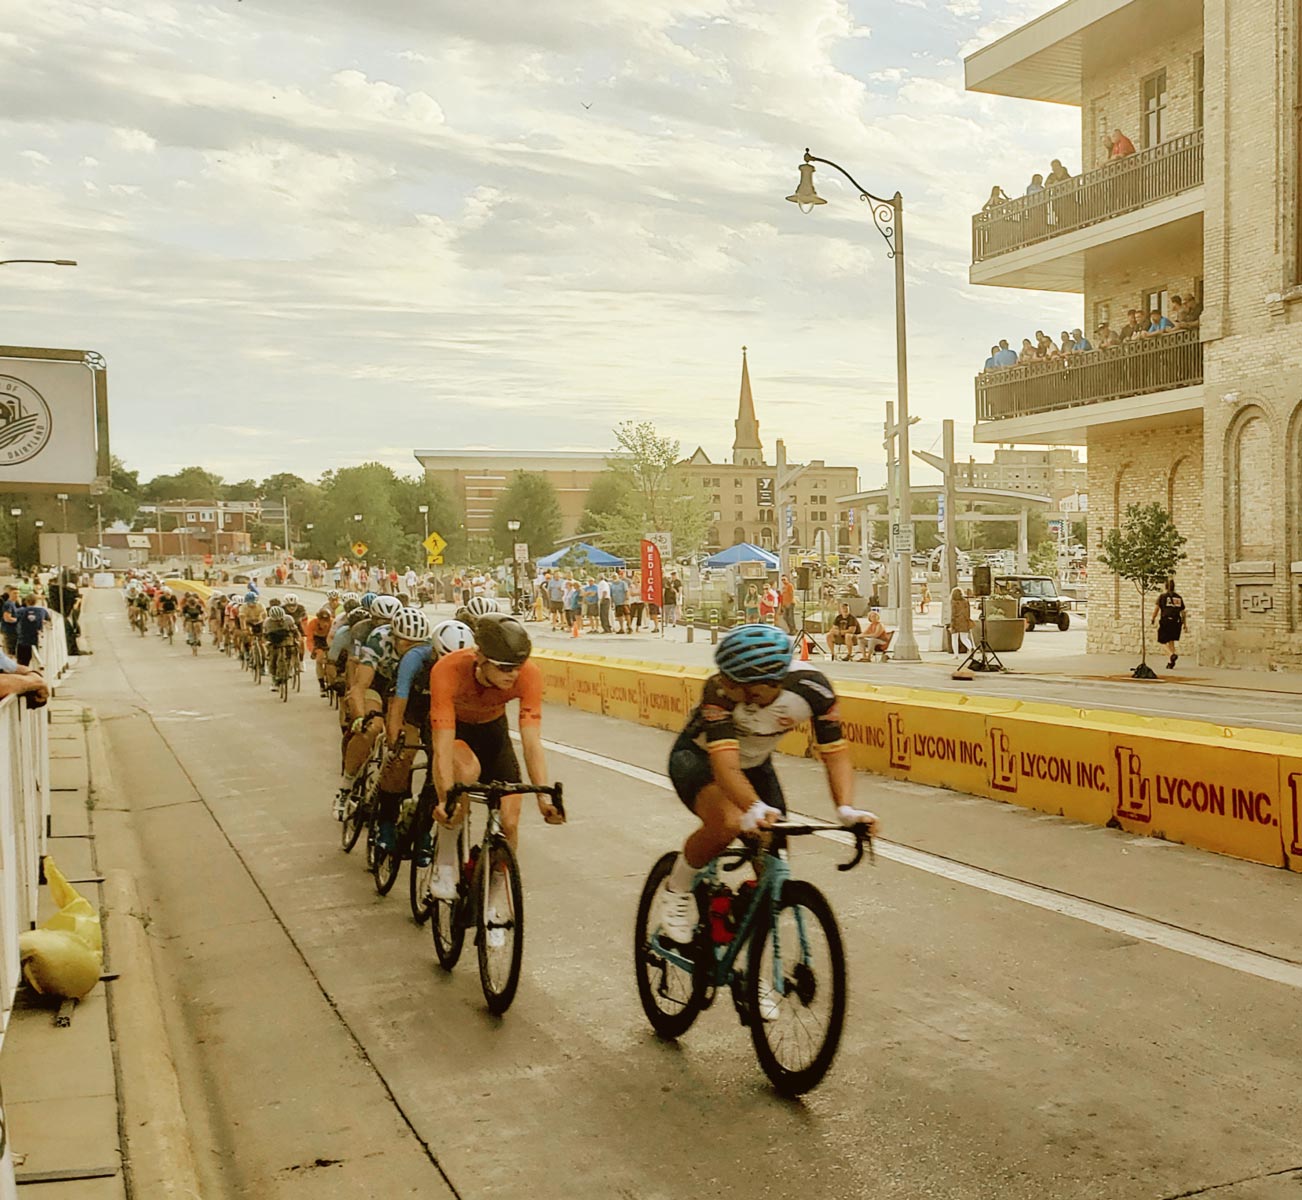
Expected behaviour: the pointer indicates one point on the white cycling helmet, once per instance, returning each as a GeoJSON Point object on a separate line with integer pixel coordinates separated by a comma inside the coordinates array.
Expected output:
{"type": "Point", "coordinates": [452, 635]}
{"type": "Point", "coordinates": [332, 594]}
{"type": "Point", "coordinates": [289, 598]}
{"type": "Point", "coordinates": [479, 605]}
{"type": "Point", "coordinates": [411, 624]}
{"type": "Point", "coordinates": [385, 608]}
{"type": "Point", "coordinates": [275, 611]}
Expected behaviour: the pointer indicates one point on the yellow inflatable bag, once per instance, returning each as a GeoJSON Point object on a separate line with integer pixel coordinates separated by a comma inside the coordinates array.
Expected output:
{"type": "Point", "coordinates": [64, 957]}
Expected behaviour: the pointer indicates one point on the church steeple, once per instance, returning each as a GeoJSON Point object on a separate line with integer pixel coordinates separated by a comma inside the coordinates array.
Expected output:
{"type": "Point", "coordinates": [746, 447]}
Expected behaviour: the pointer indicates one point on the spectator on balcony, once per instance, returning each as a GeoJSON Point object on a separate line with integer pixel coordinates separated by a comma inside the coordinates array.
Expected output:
{"type": "Point", "coordinates": [1028, 353]}
{"type": "Point", "coordinates": [1080, 344]}
{"type": "Point", "coordinates": [1191, 314]}
{"type": "Point", "coordinates": [998, 198]}
{"type": "Point", "coordinates": [1121, 146]}
{"type": "Point", "coordinates": [1157, 325]}
{"type": "Point", "coordinates": [1105, 337]}
{"type": "Point", "coordinates": [1057, 174]}
{"type": "Point", "coordinates": [1065, 344]}
{"type": "Point", "coordinates": [1134, 326]}
{"type": "Point", "coordinates": [1045, 349]}
{"type": "Point", "coordinates": [1036, 186]}
{"type": "Point", "coordinates": [991, 364]}
{"type": "Point", "coordinates": [1005, 357]}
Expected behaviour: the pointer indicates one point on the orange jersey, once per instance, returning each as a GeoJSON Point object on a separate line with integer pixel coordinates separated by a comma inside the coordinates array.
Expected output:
{"type": "Point", "coordinates": [314, 627]}
{"type": "Point", "coordinates": [456, 695]}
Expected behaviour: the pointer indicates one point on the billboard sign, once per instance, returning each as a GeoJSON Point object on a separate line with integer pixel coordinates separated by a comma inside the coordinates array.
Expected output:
{"type": "Point", "coordinates": [53, 420]}
{"type": "Point", "coordinates": [764, 494]}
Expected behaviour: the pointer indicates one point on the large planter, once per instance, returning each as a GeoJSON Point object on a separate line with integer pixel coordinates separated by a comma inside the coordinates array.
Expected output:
{"type": "Point", "coordinates": [1004, 634]}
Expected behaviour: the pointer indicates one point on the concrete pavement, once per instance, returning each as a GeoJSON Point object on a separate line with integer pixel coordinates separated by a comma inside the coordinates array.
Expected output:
{"type": "Point", "coordinates": [1001, 1043]}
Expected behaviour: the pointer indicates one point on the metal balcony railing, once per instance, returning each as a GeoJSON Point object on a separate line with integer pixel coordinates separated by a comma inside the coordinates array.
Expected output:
{"type": "Point", "coordinates": [1135, 368]}
{"type": "Point", "coordinates": [1119, 186]}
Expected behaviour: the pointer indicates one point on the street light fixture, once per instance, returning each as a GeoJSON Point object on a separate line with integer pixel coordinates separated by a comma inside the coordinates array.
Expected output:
{"type": "Point", "coordinates": [514, 527]}
{"type": "Point", "coordinates": [52, 262]}
{"type": "Point", "coordinates": [62, 498]}
{"type": "Point", "coordinates": [423, 509]}
{"type": "Point", "coordinates": [888, 216]}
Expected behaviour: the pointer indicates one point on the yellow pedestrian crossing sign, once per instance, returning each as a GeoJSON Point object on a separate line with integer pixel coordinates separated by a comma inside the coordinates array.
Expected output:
{"type": "Point", "coordinates": [359, 548]}
{"type": "Point", "coordinates": [435, 544]}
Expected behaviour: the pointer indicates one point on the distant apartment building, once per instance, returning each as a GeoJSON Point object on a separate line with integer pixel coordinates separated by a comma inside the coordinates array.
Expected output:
{"type": "Point", "coordinates": [1058, 473]}
{"type": "Point", "coordinates": [1205, 420]}
{"type": "Point", "coordinates": [200, 526]}
{"type": "Point", "coordinates": [475, 479]}
{"type": "Point", "coordinates": [742, 500]}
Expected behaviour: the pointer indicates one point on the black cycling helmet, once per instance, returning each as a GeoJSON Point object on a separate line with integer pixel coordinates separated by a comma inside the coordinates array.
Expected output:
{"type": "Point", "coordinates": [465, 616]}
{"type": "Point", "coordinates": [502, 639]}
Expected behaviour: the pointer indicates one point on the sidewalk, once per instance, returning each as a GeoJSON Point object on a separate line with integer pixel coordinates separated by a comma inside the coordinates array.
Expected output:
{"type": "Point", "coordinates": [81, 1077]}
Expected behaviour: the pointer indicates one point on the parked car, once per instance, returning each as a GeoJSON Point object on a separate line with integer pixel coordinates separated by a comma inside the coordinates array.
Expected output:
{"type": "Point", "coordinates": [1038, 601]}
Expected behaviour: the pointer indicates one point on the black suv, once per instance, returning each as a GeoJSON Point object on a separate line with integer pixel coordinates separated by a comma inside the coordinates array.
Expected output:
{"type": "Point", "coordinates": [1038, 602]}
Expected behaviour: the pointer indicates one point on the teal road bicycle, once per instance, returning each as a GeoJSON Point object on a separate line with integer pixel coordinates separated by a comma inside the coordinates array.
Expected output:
{"type": "Point", "coordinates": [772, 943]}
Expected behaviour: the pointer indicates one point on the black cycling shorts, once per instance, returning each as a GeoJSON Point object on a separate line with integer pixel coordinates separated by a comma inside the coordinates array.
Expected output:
{"type": "Point", "coordinates": [491, 744]}
{"type": "Point", "coordinates": [690, 771]}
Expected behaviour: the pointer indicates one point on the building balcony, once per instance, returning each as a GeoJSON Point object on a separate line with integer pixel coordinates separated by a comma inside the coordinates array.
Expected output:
{"type": "Point", "coordinates": [1147, 381]}
{"type": "Point", "coordinates": [1040, 241]}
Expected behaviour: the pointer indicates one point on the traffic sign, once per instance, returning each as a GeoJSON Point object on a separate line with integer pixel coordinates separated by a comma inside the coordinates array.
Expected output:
{"type": "Point", "coordinates": [522, 552]}
{"type": "Point", "coordinates": [435, 544]}
{"type": "Point", "coordinates": [433, 560]}
{"type": "Point", "coordinates": [359, 548]}
{"type": "Point", "coordinates": [902, 538]}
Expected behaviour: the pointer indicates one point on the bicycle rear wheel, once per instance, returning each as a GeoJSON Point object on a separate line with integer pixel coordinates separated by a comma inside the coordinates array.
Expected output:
{"type": "Point", "coordinates": [795, 989]}
{"type": "Point", "coordinates": [448, 924]}
{"type": "Point", "coordinates": [672, 997]}
{"type": "Point", "coordinates": [418, 878]}
{"type": "Point", "coordinates": [499, 913]}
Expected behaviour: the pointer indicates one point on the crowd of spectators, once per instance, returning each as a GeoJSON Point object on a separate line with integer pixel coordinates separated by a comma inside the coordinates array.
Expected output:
{"type": "Point", "coordinates": [1184, 314]}
{"type": "Point", "coordinates": [1116, 146]}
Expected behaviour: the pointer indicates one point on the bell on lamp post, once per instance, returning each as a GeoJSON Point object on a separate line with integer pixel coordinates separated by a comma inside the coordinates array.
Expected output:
{"type": "Point", "coordinates": [804, 195]}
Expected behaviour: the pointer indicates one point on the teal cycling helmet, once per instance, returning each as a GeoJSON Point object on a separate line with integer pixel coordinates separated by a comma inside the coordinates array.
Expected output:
{"type": "Point", "coordinates": [368, 598]}
{"type": "Point", "coordinates": [754, 654]}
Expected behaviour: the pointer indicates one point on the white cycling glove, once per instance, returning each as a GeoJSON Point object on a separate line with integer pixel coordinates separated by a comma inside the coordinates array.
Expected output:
{"type": "Point", "coordinates": [855, 816]}
{"type": "Point", "coordinates": [755, 814]}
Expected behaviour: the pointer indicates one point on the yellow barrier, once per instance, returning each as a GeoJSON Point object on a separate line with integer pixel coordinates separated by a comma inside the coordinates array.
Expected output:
{"type": "Point", "coordinates": [1230, 789]}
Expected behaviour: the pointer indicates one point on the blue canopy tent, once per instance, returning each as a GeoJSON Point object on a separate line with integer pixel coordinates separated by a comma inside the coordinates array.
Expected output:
{"type": "Point", "coordinates": [743, 552]}
{"type": "Point", "coordinates": [596, 557]}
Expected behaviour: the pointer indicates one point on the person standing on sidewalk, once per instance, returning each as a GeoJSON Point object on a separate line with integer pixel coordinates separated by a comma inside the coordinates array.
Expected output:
{"type": "Point", "coordinates": [960, 619]}
{"type": "Point", "coordinates": [603, 603]}
{"type": "Point", "coordinates": [1171, 617]}
{"type": "Point", "coordinates": [672, 588]}
{"type": "Point", "coordinates": [787, 604]}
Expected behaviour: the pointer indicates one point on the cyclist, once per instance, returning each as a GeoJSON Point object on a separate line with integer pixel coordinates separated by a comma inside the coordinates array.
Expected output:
{"type": "Point", "coordinates": [216, 615]}
{"type": "Point", "coordinates": [721, 765]}
{"type": "Point", "coordinates": [290, 603]}
{"type": "Point", "coordinates": [362, 702]}
{"type": "Point", "coordinates": [479, 606]}
{"type": "Point", "coordinates": [167, 606]}
{"type": "Point", "coordinates": [469, 692]}
{"type": "Point", "coordinates": [285, 640]}
{"type": "Point", "coordinates": [316, 642]}
{"type": "Point", "coordinates": [251, 616]}
{"type": "Point", "coordinates": [192, 614]}
{"type": "Point", "coordinates": [231, 624]}
{"type": "Point", "coordinates": [140, 608]}
{"type": "Point", "coordinates": [332, 602]}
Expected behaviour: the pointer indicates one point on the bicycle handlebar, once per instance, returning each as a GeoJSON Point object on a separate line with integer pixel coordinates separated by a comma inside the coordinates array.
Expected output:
{"type": "Point", "coordinates": [493, 792]}
{"type": "Point", "coordinates": [863, 839]}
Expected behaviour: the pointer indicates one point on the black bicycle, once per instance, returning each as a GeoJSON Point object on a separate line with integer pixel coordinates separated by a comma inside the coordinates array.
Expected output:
{"type": "Point", "coordinates": [489, 895]}
{"type": "Point", "coordinates": [772, 942]}
{"type": "Point", "coordinates": [359, 801]}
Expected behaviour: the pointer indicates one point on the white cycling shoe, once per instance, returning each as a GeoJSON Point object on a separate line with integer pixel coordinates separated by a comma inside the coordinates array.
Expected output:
{"type": "Point", "coordinates": [443, 884]}
{"type": "Point", "coordinates": [770, 1002]}
{"type": "Point", "coordinates": [677, 921]}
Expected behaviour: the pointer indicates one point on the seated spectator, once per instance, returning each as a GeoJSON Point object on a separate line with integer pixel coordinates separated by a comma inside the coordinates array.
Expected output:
{"type": "Point", "coordinates": [1057, 173]}
{"type": "Point", "coordinates": [997, 199]}
{"type": "Point", "coordinates": [1122, 146]}
{"type": "Point", "coordinates": [1079, 342]}
{"type": "Point", "coordinates": [1157, 324]}
{"type": "Point", "coordinates": [1005, 357]}
{"type": "Point", "coordinates": [1105, 337]}
{"type": "Point", "coordinates": [875, 636]}
{"type": "Point", "coordinates": [991, 365]}
{"type": "Point", "coordinates": [844, 632]}
{"type": "Point", "coordinates": [1035, 186]}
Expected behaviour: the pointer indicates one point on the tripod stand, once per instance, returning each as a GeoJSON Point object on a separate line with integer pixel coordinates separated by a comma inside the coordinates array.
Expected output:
{"type": "Point", "coordinates": [981, 657]}
{"type": "Point", "coordinates": [803, 631]}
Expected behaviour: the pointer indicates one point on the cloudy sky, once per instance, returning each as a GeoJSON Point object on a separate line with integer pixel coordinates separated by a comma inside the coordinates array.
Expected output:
{"type": "Point", "coordinates": [315, 233]}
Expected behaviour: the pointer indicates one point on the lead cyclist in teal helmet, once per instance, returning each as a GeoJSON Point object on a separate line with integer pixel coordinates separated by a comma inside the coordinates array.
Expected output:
{"type": "Point", "coordinates": [721, 765]}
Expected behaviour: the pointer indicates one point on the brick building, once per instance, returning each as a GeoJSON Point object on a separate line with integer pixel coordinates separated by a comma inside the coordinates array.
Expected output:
{"type": "Point", "coordinates": [1208, 420]}
{"type": "Point", "coordinates": [742, 498]}
{"type": "Point", "coordinates": [1056, 472]}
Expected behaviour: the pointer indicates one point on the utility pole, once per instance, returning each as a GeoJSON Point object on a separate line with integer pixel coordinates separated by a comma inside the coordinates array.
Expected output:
{"type": "Point", "coordinates": [284, 510]}
{"type": "Point", "coordinates": [783, 480]}
{"type": "Point", "coordinates": [949, 527]}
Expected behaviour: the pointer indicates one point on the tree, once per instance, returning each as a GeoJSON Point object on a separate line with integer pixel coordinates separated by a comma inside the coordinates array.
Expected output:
{"type": "Point", "coordinates": [1044, 558]}
{"type": "Point", "coordinates": [609, 493]}
{"type": "Point", "coordinates": [443, 517]}
{"type": "Point", "coordinates": [658, 495]}
{"type": "Point", "coordinates": [365, 491]}
{"type": "Point", "coordinates": [189, 483]}
{"type": "Point", "coordinates": [1145, 550]}
{"type": "Point", "coordinates": [530, 499]}
{"type": "Point", "coordinates": [242, 489]}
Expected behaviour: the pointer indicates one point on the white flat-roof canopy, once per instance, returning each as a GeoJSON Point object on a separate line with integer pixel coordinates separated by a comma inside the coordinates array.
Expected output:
{"type": "Point", "coordinates": [970, 494]}
{"type": "Point", "coordinates": [1048, 58]}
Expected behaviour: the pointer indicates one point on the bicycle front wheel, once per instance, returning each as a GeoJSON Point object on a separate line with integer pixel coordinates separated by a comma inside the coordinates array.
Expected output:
{"type": "Point", "coordinates": [418, 877]}
{"type": "Point", "coordinates": [795, 989]}
{"type": "Point", "coordinates": [672, 996]}
{"type": "Point", "coordinates": [499, 903]}
{"type": "Point", "coordinates": [448, 924]}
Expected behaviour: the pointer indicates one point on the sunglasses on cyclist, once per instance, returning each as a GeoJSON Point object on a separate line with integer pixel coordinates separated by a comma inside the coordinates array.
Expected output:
{"type": "Point", "coordinates": [503, 666]}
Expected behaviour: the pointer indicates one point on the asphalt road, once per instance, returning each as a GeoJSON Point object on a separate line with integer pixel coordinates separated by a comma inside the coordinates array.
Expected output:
{"type": "Point", "coordinates": [1122, 1023]}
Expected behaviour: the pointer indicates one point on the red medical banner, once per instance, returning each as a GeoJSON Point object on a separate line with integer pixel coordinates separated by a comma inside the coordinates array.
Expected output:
{"type": "Point", "coordinates": [652, 582]}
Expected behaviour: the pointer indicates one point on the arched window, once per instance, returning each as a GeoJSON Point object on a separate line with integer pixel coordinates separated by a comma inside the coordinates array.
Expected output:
{"type": "Point", "coordinates": [766, 535]}
{"type": "Point", "coordinates": [1249, 503]}
{"type": "Point", "coordinates": [738, 534]}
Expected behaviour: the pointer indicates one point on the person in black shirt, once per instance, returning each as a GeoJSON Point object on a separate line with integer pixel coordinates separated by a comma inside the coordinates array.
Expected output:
{"type": "Point", "coordinates": [844, 632]}
{"type": "Point", "coordinates": [1170, 616]}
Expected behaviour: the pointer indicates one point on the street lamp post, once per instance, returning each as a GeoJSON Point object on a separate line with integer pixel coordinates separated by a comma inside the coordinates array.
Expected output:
{"type": "Point", "coordinates": [423, 509]}
{"type": "Point", "coordinates": [18, 548]}
{"type": "Point", "coordinates": [888, 216]}
{"type": "Point", "coordinates": [52, 262]}
{"type": "Point", "coordinates": [514, 527]}
{"type": "Point", "coordinates": [62, 498]}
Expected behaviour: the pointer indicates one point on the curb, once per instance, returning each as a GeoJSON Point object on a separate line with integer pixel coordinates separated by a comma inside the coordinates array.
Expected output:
{"type": "Point", "coordinates": [158, 1152]}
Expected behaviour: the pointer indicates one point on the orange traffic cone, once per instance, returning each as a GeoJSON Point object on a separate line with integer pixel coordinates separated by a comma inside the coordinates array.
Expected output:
{"type": "Point", "coordinates": [804, 648]}
{"type": "Point", "coordinates": [574, 629]}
